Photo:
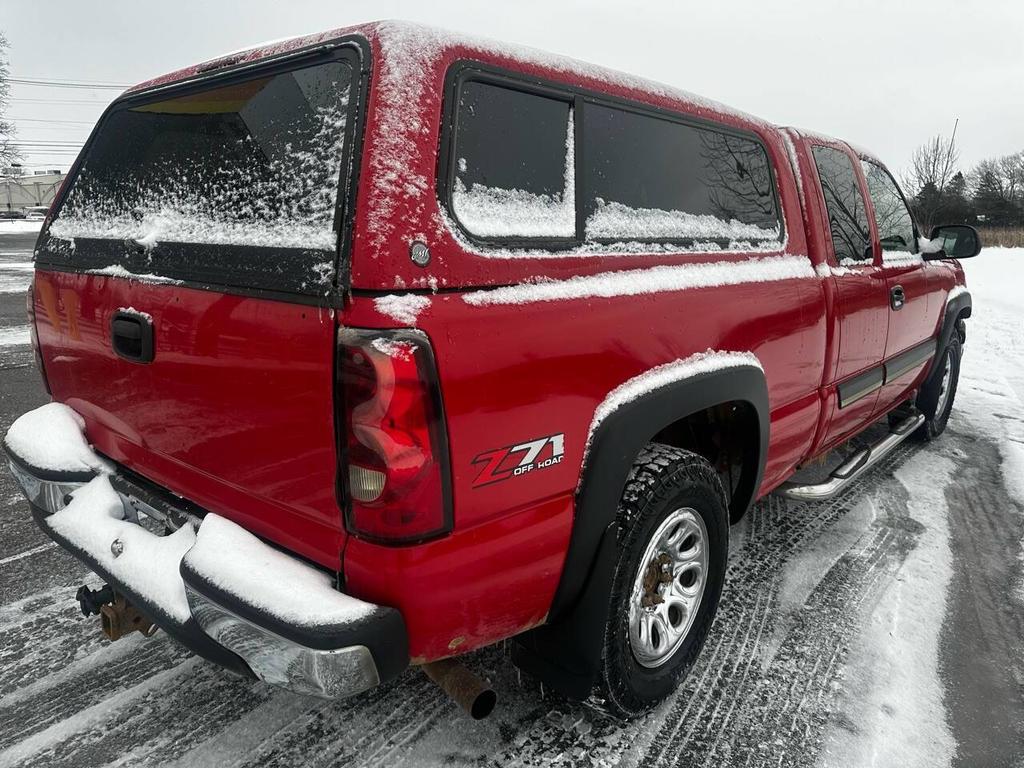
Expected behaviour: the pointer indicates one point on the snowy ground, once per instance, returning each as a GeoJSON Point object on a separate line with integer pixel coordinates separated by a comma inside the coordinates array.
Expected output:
{"type": "Point", "coordinates": [883, 628]}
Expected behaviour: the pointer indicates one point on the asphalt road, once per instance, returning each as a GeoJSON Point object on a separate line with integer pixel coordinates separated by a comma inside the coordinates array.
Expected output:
{"type": "Point", "coordinates": [782, 681]}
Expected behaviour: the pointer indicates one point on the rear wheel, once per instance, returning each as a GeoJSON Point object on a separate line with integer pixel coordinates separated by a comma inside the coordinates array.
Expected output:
{"type": "Point", "coordinates": [935, 400]}
{"type": "Point", "coordinates": [674, 531]}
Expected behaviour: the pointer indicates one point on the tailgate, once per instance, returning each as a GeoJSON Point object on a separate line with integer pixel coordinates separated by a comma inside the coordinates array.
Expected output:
{"type": "Point", "coordinates": [184, 290]}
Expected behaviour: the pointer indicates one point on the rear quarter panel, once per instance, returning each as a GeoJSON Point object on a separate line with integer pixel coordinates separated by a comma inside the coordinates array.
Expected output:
{"type": "Point", "coordinates": [514, 373]}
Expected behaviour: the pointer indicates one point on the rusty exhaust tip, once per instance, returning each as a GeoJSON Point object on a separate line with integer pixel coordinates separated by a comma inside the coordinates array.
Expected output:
{"type": "Point", "coordinates": [464, 687]}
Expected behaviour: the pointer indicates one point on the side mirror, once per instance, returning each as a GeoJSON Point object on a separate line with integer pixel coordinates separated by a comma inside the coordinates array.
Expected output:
{"type": "Point", "coordinates": [957, 241]}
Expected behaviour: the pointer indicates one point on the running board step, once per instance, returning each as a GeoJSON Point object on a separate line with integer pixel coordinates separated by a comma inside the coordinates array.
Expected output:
{"type": "Point", "coordinates": [853, 467]}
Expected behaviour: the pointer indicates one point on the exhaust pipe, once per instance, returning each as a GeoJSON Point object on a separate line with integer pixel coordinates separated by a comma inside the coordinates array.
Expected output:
{"type": "Point", "coordinates": [464, 687]}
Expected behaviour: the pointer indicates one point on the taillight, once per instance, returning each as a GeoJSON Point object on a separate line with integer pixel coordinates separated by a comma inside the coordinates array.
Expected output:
{"type": "Point", "coordinates": [395, 457]}
{"type": "Point", "coordinates": [30, 310]}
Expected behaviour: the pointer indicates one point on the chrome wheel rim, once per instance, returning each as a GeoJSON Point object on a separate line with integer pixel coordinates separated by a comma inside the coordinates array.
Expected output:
{"type": "Point", "coordinates": [668, 587]}
{"type": "Point", "coordinates": [940, 406]}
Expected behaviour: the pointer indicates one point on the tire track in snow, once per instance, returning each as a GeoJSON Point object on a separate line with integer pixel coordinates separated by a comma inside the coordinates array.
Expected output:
{"type": "Point", "coordinates": [27, 553]}
{"type": "Point", "coordinates": [350, 731]}
{"type": "Point", "coordinates": [26, 576]}
{"type": "Point", "coordinates": [83, 684]}
{"type": "Point", "coordinates": [148, 724]}
{"type": "Point", "coordinates": [37, 749]}
{"type": "Point", "coordinates": [743, 723]}
{"type": "Point", "coordinates": [984, 713]}
{"type": "Point", "coordinates": [47, 638]}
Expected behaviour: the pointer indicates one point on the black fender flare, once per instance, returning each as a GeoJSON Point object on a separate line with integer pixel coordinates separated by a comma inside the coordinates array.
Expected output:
{"type": "Point", "coordinates": [566, 651]}
{"type": "Point", "coordinates": [957, 308]}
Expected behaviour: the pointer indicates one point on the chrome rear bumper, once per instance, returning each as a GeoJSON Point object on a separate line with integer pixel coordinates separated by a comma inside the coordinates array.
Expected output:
{"type": "Point", "coordinates": [222, 614]}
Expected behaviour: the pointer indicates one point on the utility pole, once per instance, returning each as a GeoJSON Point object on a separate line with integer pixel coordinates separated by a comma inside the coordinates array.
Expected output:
{"type": "Point", "coordinates": [949, 155]}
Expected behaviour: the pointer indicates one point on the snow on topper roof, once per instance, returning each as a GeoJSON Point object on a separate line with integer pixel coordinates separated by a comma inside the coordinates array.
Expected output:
{"type": "Point", "coordinates": [401, 40]}
{"type": "Point", "coordinates": [407, 46]}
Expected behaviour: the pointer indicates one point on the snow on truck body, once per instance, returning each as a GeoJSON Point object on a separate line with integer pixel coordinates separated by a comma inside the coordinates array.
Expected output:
{"type": "Point", "coordinates": [380, 296]}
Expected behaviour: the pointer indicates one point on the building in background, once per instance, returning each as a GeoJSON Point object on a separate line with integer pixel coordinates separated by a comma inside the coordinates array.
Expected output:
{"type": "Point", "coordinates": [21, 189]}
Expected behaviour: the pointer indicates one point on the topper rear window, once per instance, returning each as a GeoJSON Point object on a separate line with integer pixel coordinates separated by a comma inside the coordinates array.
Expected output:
{"type": "Point", "coordinates": [236, 182]}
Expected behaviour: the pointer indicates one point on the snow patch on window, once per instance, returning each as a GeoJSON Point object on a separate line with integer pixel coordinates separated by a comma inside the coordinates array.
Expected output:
{"type": "Point", "coordinates": [404, 308]}
{"type": "Point", "coordinates": [901, 258]}
{"type": "Point", "coordinates": [281, 202]}
{"type": "Point", "coordinates": [53, 437]}
{"type": "Point", "coordinates": [615, 220]}
{"type": "Point", "coordinates": [495, 212]}
{"type": "Point", "coordinates": [625, 247]}
{"type": "Point", "coordinates": [636, 282]}
{"type": "Point", "coordinates": [268, 580]}
{"type": "Point", "coordinates": [930, 246]}
{"type": "Point", "coordinates": [148, 563]}
{"type": "Point", "coordinates": [663, 375]}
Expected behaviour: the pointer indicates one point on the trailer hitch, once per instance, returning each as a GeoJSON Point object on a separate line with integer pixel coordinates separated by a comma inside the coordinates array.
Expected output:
{"type": "Point", "coordinates": [92, 600]}
{"type": "Point", "coordinates": [118, 617]}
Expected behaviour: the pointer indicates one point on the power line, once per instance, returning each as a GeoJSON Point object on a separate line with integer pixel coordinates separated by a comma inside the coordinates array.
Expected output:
{"type": "Point", "coordinates": [66, 83]}
{"type": "Point", "coordinates": [47, 141]}
{"type": "Point", "coordinates": [68, 80]}
{"type": "Point", "coordinates": [93, 102]}
{"type": "Point", "coordinates": [60, 122]}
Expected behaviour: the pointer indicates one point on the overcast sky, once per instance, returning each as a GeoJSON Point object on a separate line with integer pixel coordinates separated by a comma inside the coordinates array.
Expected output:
{"type": "Point", "coordinates": [883, 74]}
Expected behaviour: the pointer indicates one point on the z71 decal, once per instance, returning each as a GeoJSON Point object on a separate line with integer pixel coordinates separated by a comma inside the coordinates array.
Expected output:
{"type": "Point", "coordinates": [515, 460]}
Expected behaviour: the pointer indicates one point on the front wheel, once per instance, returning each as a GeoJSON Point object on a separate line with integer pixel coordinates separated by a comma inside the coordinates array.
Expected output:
{"type": "Point", "coordinates": [935, 400]}
{"type": "Point", "coordinates": [674, 541]}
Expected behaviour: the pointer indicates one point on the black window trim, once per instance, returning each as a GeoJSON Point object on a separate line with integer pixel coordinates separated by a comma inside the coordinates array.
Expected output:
{"type": "Point", "coordinates": [578, 98]}
{"type": "Point", "coordinates": [913, 221]}
{"type": "Point", "coordinates": [356, 49]}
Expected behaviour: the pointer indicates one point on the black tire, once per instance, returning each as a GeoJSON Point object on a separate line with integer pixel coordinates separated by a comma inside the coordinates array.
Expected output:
{"type": "Point", "coordinates": [931, 400]}
{"type": "Point", "coordinates": [663, 480]}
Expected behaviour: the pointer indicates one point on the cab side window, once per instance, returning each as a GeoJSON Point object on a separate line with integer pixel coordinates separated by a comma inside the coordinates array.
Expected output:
{"type": "Point", "coordinates": [895, 224]}
{"type": "Point", "coordinates": [846, 210]}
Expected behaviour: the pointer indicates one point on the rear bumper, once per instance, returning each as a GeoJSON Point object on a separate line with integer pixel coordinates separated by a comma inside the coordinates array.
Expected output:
{"type": "Point", "coordinates": [242, 611]}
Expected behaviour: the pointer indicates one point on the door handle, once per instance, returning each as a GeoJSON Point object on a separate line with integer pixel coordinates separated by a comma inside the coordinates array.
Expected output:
{"type": "Point", "coordinates": [897, 297]}
{"type": "Point", "coordinates": [132, 337]}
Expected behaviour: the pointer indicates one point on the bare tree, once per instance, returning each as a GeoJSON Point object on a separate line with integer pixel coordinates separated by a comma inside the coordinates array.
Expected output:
{"type": "Point", "coordinates": [8, 150]}
{"type": "Point", "coordinates": [932, 166]}
{"type": "Point", "coordinates": [997, 185]}
{"type": "Point", "coordinates": [1011, 168]}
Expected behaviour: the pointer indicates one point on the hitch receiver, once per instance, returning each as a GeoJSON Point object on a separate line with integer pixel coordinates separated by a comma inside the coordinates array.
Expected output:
{"type": "Point", "coordinates": [121, 618]}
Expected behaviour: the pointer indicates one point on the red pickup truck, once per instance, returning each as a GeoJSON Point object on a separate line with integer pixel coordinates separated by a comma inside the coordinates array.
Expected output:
{"type": "Point", "coordinates": [375, 347]}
